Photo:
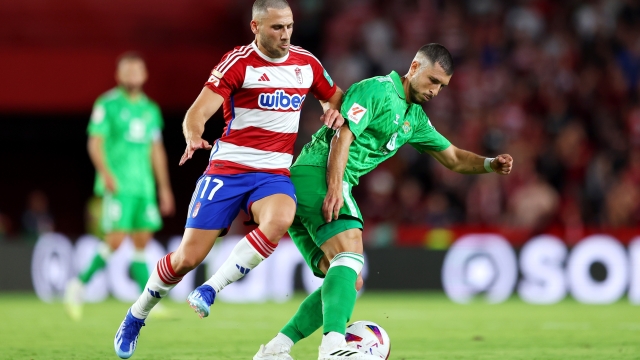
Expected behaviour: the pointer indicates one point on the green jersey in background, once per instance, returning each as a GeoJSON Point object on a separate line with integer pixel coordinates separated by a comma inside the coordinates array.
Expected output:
{"type": "Point", "coordinates": [381, 121]}
{"type": "Point", "coordinates": [128, 129]}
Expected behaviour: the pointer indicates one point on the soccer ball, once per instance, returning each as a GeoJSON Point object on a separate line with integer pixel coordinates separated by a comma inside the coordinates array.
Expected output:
{"type": "Point", "coordinates": [370, 338]}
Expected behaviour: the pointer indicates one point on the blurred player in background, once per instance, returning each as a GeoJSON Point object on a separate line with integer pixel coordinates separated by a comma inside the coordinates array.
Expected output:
{"type": "Point", "coordinates": [125, 146]}
{"type": "Point", "coordinates": [384, 113]}
{"type": "Point", "coordinates": [261, 88]}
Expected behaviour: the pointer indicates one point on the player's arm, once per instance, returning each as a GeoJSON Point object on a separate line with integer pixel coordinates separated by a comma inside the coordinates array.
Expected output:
{"type": "Point", "coordinates": [336, 163]}
{"type": "Point", "coordinates": [95, 147]}
{"type": "Point", "coordinates": [161, 171]}
{"type": "Point", "coordinates": [466, 162]}
{"type": "Point", "coordinates": [207, 103]}
{"type": "Point", "coordinates": [331, 116]}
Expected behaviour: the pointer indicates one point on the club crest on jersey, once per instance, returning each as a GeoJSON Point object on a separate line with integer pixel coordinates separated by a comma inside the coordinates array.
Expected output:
{"type": "Point", "coordinates": [356, 112]}
{"type": "Point", "coordinates": [299, 75]}
{"type": "Point", "coordinates": [279, 100]}
{"type": "Point", "coordinates": [406, 127]}
{"type": "Point", "coordinates": [195, 210]}
{"type": "Point", "coordinates": [214, 80]}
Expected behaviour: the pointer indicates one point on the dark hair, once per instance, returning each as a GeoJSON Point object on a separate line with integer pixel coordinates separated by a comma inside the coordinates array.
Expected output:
{"type": "Point", "coordinates": [129, 56]}
{"type": "Point", "coordinates": [437, 53]}
{"type": "Point", "coordinates": [261, 6]}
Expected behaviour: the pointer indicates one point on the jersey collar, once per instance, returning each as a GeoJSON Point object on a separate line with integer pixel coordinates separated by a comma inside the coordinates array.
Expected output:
{"type": "Point", "coordinates": [273, 60]}
{"type": "Point", "coordinates": [397, 84]}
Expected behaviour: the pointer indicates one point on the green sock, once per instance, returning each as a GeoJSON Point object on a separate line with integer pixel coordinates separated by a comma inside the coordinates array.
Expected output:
{"type": "Point", "coordinates": [99, 262]}
{"type": "Point", "coordinates": [339, 292]}
{"type": "Point", "coordinates": [139, 269]}
{"type": "Point", "coordinates": [307, 319]}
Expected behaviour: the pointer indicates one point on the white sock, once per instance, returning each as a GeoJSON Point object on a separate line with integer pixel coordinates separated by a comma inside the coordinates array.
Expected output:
{"type": "Point", "coordinates": [139, 256]}
{"type": "Point", "coordinates": [332, 340]}
{"type": "Point", "coordinates": [246, 255]}
{"type": "Point", "coordinates": [279, 344]}
{"type": "Point", "coordinates": [161, 281]}
{"type": "Point", "coordinates": [104, 250]}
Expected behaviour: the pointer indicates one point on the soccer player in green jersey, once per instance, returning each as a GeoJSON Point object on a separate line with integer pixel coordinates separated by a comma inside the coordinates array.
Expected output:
{"type": "Point", "coordinates": [383, 114]}
{"type": "Point", "coordinates": [125, 146]}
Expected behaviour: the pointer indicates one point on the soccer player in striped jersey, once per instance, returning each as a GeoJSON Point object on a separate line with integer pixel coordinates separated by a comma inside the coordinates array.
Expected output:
{"type": "Point", "coordinates": [261, 88]}
{"type": "Point", "coordinates": [384, 113]}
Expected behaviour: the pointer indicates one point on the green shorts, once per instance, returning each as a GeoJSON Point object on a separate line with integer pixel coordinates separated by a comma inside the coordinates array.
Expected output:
{"type": "Point", "coordinates": [309, 230]}
{"type": "Point", "coordinates": [129, 214]}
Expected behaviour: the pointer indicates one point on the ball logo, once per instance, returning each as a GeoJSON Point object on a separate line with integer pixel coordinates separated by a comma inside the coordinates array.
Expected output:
{"type": "Point", "coordinates": [279, 100]}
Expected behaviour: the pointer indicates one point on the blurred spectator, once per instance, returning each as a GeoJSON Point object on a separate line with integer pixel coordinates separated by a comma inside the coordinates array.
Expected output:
{"type": "Point", "coordinates": [36, 218]}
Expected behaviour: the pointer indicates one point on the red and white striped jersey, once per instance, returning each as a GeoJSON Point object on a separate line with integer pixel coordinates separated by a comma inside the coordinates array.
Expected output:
{"type": "Point", "coordinates": [262, 101]}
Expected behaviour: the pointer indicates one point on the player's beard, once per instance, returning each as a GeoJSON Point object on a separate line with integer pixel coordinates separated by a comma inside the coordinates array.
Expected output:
{"type": "Point", "coordinates": [131, 89]}
{"type": "Point", "coordinates": [414, 96]}
{"type": "Point", "coordinates": [273, 48]}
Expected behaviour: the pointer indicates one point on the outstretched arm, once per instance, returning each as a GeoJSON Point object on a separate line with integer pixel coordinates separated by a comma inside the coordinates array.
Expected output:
{"type": "Point", "coordinates": [202, 109]}
{"type": "Point", "coordinates": [336, 163]}
{"type": "Point", "coordinates": [466, 162]}
{"type": "Point", "coordinates": [331, 108]}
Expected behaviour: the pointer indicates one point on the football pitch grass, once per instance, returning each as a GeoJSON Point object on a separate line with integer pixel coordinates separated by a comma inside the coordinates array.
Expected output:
{"type": "Point", "coordinates": [421, 326]}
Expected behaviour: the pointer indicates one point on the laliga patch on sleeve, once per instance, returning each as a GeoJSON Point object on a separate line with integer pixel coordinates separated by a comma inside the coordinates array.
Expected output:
{"type": "Point", "coordinates": [214, 80]}
{"type": "Point", "coordinates": [356, 112]}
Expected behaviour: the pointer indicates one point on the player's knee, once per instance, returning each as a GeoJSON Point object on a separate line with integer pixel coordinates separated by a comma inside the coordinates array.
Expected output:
{"type": "Point", "coordinates": [275, 227]}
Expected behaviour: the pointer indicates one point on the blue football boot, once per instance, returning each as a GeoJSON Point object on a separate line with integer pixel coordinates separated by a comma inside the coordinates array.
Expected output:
{"type": "Point", "coordinates": [201, 299]}
{"type": "Point", "coordinates": [127, 336]}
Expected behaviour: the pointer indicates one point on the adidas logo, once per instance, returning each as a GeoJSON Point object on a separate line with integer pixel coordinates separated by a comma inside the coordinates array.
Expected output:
{"type": "Point", "coordinates": [243, 270]}
{"type": "Point", "coordinates": [264, 77]}
{"type": "Point", "coordinates": [154, 293]}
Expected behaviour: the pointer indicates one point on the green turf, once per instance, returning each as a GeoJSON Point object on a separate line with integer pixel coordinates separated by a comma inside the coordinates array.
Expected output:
{"type": "Point", "coordinates": [421, 326]}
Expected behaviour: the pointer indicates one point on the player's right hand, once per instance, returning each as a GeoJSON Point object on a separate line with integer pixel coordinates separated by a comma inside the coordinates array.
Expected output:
{"type": "Point", "coordinates": [193, 145]}
{"type": "Point", "coordinates": [332, 204]}
{"type": "Point", "coordinates": [109, 183]}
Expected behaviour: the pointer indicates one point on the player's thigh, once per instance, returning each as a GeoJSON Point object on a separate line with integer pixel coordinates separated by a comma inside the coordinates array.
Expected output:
{"type": "Point", "coordinates": [146, 217]}
{"type": "Point", "coordinates": [311, 190]}
{"type": "Point", "coordinates": [272, 203]}
{"type": "Point", "coordinates": [216, 202]}
{"type": "Point", "coordinates": [117, 213]}
{"type": "Point", "coordinates": [310, 252]}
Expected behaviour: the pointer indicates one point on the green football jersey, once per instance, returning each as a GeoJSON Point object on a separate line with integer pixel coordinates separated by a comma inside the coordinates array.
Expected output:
{"type": "Point", "coordinates": [381, 121]}
{"type": "Point", "coordinates": [128, 129]}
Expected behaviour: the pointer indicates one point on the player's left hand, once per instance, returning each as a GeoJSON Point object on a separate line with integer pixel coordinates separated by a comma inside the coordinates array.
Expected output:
{"type": "Point", "coordinates": [167, 203]}
{"type": "Point", "coordinates": [332, 119]}
{"type": "Point", "coordinates": [332, 204]}
{"type": "Point", "coordinates": [502, 164]}
{"type": "Point", "coordinates": [193, 144]}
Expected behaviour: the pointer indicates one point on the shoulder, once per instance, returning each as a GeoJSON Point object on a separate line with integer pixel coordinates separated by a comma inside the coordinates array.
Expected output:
{"type": "Point", "coordinates": [109, 96]}
{"type": "Point", "coordinates": [234, 58]}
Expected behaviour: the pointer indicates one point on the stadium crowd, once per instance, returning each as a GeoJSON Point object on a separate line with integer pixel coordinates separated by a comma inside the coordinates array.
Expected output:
{"type": "Point", "coordinates": [554, 84]}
